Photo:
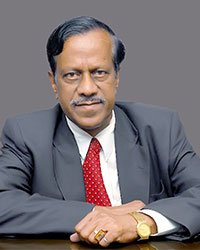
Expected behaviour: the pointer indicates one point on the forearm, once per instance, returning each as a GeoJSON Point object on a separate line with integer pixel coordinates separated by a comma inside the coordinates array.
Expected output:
{"type": "Point", "coordinates": [21, 213]}
{"type": "Point", "coordinates": [181, 210]}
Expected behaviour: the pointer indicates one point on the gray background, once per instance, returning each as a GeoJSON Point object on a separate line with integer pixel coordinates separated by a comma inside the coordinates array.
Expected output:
{"type": "Point", "coordinates": [162, 66]}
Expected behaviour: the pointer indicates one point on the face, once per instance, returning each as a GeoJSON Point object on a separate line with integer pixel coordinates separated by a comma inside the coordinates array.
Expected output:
{"type": "Point", "coordinates": [85, 82]}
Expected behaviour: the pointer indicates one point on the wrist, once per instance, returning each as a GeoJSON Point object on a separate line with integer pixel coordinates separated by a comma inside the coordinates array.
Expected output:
{"type": "Point", "coordinates": [151, 222]}
{"type": "Point", "coordinates": [145, 225]}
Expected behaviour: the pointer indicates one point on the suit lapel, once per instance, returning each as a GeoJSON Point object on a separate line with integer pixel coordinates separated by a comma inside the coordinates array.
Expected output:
{"type": "Point", "coordinates": [132, 161]}
{"type": "Point", "coordinates": [67, 163]}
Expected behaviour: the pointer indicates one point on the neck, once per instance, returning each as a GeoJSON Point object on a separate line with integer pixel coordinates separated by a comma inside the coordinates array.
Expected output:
{"type": "Point", "coordinates": [94, 131]}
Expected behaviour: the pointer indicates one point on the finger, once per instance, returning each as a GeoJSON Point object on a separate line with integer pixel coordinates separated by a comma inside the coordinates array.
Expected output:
{"type": "Point", "coordinates": [91, 223]}
{"type": "Point", "coordinates": [106, 240]}
{"type": "Point", "coordinates": [87, 226]}
{"type": "Point", "coordinates": [75, 237]}
{"type": "Point", "coordinates": [92, 235]}
{"type": "Point", "coordinates": [88, 232]}
{"type": "Point", "coordinates": [84, 222]}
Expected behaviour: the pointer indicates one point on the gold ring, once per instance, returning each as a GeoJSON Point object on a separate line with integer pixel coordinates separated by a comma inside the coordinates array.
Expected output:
{"type": "Point", "coordinates": [99, 234]}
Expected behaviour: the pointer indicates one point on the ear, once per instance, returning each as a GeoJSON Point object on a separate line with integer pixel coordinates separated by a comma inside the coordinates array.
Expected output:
{"type": "Point", "coordinates": [117, 79]}
{"type": "Point", "coordinates": [53, 83]}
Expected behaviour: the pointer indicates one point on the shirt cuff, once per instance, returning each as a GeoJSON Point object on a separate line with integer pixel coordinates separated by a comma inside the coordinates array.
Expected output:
{"type": "Point", "coordinates": [164, 225]}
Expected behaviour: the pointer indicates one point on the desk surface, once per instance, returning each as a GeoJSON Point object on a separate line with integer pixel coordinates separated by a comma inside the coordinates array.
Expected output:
{"type": "Point", "coordinates": [58, 244]}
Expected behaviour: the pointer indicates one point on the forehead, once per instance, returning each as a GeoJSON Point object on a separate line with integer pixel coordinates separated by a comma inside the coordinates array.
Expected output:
{"type": "Point", "coordinates": [93, 48]}
{"type": "Point", "coordinates": [92, 41]}
{"type": "Point", "coordinates": [98, 37]}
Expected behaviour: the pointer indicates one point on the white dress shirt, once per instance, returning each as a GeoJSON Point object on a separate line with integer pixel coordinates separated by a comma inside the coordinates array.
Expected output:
{"type": "Point", "coordinates": [109, 169]}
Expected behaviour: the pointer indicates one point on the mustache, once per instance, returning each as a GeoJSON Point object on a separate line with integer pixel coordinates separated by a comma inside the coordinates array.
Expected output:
{"type": "Point", "coordinates": [85, 99]}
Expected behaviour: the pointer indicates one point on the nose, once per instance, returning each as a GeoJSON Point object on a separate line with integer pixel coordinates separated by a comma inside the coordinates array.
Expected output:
{"type": "Point", "coordinates": [87, 85]}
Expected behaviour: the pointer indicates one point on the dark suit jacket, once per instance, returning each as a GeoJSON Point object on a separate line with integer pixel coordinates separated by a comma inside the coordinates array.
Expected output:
{"type": "Point", "coordinates": [41, 181]}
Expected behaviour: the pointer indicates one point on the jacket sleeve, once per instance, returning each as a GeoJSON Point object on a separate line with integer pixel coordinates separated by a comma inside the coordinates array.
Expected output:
{"type": "Point", "coordinates": [184, 174]}
{"type": "Point", "coordinates": [24, 212]}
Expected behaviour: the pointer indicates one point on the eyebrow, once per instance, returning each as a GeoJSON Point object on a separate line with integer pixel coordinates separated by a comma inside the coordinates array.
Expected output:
{"type": "Point", "coordinates": [100, 67]}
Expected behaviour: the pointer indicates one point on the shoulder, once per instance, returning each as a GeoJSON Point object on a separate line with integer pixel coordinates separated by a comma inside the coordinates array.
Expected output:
{"type": "Point", "coordinates": [143, 109]}
{"type": "Point", "coordinates": [152, 122]}
{"type": "Point", "coordinates": [147, 115]}
{"type": "Point", "coordinates": [37, 116]}
{"type": "Point", "coordinates": [35, 123]}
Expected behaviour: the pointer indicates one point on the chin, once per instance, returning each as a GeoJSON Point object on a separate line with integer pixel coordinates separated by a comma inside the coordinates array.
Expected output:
{"type": "Point", "coordinates": [92, 129]}
{"type": "Point", "coordinates": [90, 126]}
{"type": "Point", "coordinates": [95, 124]}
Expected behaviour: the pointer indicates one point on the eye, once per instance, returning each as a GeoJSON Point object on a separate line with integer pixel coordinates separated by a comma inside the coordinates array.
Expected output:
{"type": "Point", "coordinates": [72, 75]}
{"type": "Point", "coordinates": [100, 73]}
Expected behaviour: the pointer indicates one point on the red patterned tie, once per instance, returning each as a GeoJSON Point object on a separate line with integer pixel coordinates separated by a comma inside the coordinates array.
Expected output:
{"type": "Point", "coordinates": [94, 185]}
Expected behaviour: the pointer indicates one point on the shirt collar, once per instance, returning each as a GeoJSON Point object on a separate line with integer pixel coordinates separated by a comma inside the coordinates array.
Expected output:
{"type": "Point", "coordinates": [105, 137]}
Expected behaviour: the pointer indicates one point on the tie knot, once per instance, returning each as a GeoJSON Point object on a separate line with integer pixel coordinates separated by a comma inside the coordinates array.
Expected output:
{"type": "Point", "coordinates": [95, 145]}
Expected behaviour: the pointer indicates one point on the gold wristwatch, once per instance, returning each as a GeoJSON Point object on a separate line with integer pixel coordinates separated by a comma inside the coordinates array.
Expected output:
{"type": "Point", "coordinates": [143, 229]}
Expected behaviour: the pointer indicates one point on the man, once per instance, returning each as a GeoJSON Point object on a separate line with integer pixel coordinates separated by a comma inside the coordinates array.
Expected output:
{"type": "Point", "coordinates": [101, 171]}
